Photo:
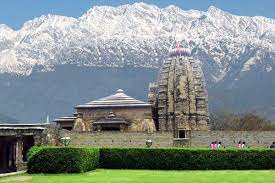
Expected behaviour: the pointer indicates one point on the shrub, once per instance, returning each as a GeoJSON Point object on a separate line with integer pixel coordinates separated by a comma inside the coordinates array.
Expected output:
{"type": "Point", "coordinates": [62, 160]}
{"type": "Point", "coordinates": [75, 160]}
{"type": "Point", "coordinates": [181, 159]}
{"type": "Point", "coordinates": [32, 151]}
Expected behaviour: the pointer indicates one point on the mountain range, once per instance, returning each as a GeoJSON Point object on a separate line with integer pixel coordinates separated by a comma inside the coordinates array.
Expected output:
{"type": "Point", "coordinates": [236, 53]}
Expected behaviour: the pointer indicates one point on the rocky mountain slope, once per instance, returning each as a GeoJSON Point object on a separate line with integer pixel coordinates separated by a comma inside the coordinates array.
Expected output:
{"type": "Point", "coordinates": [237, 53]}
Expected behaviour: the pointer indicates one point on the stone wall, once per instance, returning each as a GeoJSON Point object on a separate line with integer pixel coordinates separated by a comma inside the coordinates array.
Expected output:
{"type": "Point", "coordinates": [165, 139]}
{"type": "Point", "coordinates": [119, 139]}
{"type": "Point", "coordinates": [231, 138]}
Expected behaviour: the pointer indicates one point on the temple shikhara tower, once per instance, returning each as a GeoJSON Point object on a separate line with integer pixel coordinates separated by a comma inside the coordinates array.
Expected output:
{"type": "Point", "coordinates": [179, 98]}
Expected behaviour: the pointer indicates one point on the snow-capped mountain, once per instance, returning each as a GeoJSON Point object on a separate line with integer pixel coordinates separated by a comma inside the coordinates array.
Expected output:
{"type": "Point", "coordinates": [64, 61]}
{"type": "Point", "coordinates": [140, 35]}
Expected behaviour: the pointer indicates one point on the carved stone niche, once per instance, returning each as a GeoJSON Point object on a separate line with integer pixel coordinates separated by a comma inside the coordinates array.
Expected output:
{"type": "Point", "coordinates": [79, 124]}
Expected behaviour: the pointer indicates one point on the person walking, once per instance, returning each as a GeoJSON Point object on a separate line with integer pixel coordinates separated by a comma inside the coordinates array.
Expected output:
{"type": "Point", "coordinates": [240, 144]}
{"type": "Point", "coordinates": [215, 144]}
{"type": "Point", "coordinates": [212, 145]}
{"type": "Point", "coordinates": [243, 145]}
{"type": "Point", "coordinates": [219, 144]}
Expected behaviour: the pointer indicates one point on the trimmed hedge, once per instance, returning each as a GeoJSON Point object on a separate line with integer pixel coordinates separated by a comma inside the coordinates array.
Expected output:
{"type": "Point", "coordinates": [62, 160]}
{"type": "Point", "coordinates": [32, 151]}
{"type": "Point", "coordinates": [75, 160]}
{"type": "Point", "coordinates": [186, 159]}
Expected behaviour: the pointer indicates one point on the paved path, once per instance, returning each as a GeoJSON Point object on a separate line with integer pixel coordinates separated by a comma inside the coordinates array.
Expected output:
{"type": "Point", "coordinates": [12, 173]}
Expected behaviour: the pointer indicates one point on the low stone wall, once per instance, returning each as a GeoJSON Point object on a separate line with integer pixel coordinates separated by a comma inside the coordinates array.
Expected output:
{"type": "Point", "coordinates": [231, 138]}
{"type": "Point", "coordinates": [165, 139]}
{"type": "Point", "coordinates": [119, 139]}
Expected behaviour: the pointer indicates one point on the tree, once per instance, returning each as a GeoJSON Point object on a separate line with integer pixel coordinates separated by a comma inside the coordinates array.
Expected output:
{"type": "Point", "coordinates": [243, 122]}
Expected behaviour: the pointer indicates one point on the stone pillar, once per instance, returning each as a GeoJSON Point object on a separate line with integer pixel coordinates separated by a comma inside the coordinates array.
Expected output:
{"type": "Point", "coordinates": [37, 140]}
{"type": "Point", "coordinates": [19, 153]}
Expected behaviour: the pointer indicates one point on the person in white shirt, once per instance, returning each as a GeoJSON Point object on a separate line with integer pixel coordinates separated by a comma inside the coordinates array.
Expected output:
{"type": "Point", "coordinates": [243, 145]}
{"type": "Point", "coordinates": [220, 144]}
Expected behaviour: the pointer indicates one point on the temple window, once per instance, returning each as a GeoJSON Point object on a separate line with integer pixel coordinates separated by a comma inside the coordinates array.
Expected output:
{"type": "Point", "coordinates": [182, 134]}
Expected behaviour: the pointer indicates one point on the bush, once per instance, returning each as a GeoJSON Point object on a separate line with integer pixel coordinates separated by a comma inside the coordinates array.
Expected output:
{"type": "Point", "coordinates": [186, 159]}
{"type": "Point", "coordinates": [32, 151]}
{"type": "Point", "coordinates": [75, 160]}
{"type": "Point", "coordinates": [62, 160]}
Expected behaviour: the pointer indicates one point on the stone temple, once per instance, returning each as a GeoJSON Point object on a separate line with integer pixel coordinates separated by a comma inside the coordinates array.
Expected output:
{"type": "Point", "coordinates": [117, 112]}
{"type": "Point", "coordinates": [177, 103]}
{"type": "Point", "coordinates": [179, 98]}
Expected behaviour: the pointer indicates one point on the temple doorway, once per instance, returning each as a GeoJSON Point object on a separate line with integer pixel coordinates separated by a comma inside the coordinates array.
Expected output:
{"type": "Point", "coordinates": [28, 142]}
{"type": "Point", "coordinates": [7, 154]}
{"type": "Point", "coordinates": [110, 128]}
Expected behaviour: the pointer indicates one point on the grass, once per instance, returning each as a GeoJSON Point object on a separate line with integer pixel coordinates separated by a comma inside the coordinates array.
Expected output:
{"type": "Point", "coordinates": [143, 176]}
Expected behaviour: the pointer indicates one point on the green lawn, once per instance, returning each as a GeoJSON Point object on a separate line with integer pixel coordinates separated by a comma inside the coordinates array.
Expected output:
{"type": "Point", "coordinates": [143, 176]}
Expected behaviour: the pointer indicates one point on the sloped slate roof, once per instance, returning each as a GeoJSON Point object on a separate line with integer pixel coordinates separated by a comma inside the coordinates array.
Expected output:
{"type": "Point", "coordinates": [119, 99]}
{"type": "Point", "coordinates": [22, 126]}
{"type": "Point", "coordinates": [61, 119]}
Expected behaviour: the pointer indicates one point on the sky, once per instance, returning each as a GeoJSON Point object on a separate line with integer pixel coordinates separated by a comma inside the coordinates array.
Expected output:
{"type": "Point", "coordinates": [15, 12]}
